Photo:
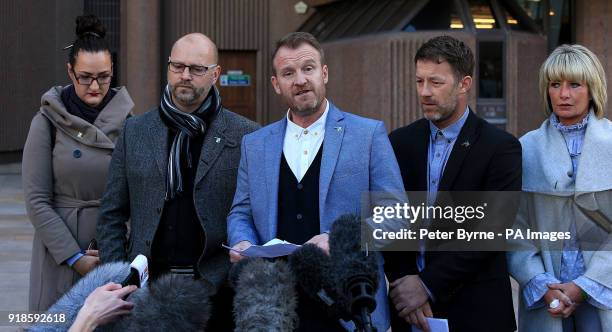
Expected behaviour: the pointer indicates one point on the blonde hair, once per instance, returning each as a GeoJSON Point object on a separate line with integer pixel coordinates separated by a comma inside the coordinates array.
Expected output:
{"type": "Point", "coordinates": [575, 63]}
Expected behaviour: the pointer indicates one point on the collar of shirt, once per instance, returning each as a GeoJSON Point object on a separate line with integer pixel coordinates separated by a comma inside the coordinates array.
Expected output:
{"type": "Point", "coordinates": [440, 147]}
{"type": "Point", "coordinates": [451, 132]}
{"type": "Point", "coordinates": [318, 127]}
{"type": "Point", "coordinates": [577, 127]}
{"type": "Point", "coordinates": [301, 145]}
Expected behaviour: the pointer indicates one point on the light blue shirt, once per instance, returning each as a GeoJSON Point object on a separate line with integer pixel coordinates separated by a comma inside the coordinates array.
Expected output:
{"type": "Point", "coordinates": [70, 261]}
{"type": "Point", "coordinates": [572, 262]}
{"type": "Point", "coordinates": [441, 142]}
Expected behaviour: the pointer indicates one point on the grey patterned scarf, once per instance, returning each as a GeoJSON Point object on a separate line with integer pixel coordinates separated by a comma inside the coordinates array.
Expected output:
{"type": "Point", "coordinates": [187, 126]}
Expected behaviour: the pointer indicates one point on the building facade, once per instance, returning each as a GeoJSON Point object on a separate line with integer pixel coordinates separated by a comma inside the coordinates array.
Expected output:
{"type": "Point", "coordinates": [369, 44]}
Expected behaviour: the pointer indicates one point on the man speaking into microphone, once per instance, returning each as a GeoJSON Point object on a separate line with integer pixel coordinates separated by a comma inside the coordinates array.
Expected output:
{"type": "Point", "coordinates": [298, 175]}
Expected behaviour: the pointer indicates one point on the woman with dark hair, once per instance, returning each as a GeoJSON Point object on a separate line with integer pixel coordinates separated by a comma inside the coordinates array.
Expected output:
{"type": "Point", "coordinates": [65, 164]}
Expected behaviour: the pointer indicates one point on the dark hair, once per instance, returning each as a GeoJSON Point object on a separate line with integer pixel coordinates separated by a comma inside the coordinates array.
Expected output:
{"type": "Point", "coordinates": [294, 40]}
{"type": "Point", "coordinates": [90, 37]}
{"type": "Point", "coordinates": [446, 48]}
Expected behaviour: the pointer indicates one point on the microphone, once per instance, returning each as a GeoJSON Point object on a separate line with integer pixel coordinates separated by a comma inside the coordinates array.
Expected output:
{"type": "Point", "coordinates": [139, 272]}
{"type": "Point", "coordinates": [265, 297]}
{"type": "Point", "coordinates": [312, 269]}
{"type": "Point", "coordinates": [354, 272]}
{"type": "Point", "coordinates": [236, 270]}
{"type": "Point", "coordinates": [71, 302]}
{"type": "Point", "coordinates": [169, 303]}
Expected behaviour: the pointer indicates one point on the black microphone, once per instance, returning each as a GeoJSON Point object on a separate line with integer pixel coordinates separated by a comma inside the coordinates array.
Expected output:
{"type": "Point", "coordinates": [236, 270]}
{"type": "Point", "coordinates": [312, 269]}
{"type": "Point", "coordinates": [169, 303]}
{"type": "Point", "coordinates": [265, 298]}
{"type": "Point", "coordinates": [355, 272]}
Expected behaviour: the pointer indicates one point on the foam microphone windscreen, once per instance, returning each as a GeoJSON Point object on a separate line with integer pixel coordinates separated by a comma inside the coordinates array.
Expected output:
{"type": "Point", "coordinates": [347, 257]}
{"type": "Point", "coordinates": [236, 270]}
{"type": "Point", "coordinates": [348, 261]}
{"type": "Point", "coordinates": [71, 302]}
{"type": "Point", "coordinates": [311, 267]}
{"type": "Point", "coordinates": [169, 303]}
{"type": "Point", "coordinates": [265, 298]}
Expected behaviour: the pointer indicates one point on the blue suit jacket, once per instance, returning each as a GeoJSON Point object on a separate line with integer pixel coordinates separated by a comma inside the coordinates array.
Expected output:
{"type": "Point", "coordinates": [357, 157]}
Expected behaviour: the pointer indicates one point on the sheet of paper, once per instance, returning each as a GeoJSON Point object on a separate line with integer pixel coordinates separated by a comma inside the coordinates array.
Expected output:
{"type": "Point", "coordinates": [271, 249]}
{"type": "Point", "coordinates": [435, 325]}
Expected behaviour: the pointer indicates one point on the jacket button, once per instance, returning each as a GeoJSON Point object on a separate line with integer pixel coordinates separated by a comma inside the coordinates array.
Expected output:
{"type": "Point", "coordinates": [570, 174]}
{"type": "Point", "coordinates": [300, 186]}
{"type": "Point", "coordinates": [299, 216]}
{"type": "Point", "coordinates": [76, 153]}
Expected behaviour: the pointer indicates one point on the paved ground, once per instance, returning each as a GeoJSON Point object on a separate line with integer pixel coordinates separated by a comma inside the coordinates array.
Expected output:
{"type": "Point", "coordinates": [16, 234]}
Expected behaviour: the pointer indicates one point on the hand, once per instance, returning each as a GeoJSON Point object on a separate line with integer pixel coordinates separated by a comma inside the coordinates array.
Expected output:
{"type": "Point", "coordinates": [408, 294]}
{"type": "Point", "coordinates": [566, 305]}
{"type": "Point", "coordinates": [85, 264]}
{"type": "Point", "coordinates": [417, 317]}
{"type": "Point", "coordinates": [321, 241]}
{"type": "Point", "coordinates": [235, 256]}
{"type": "Point", "coordinates": [102, 306]}
{"type": "Point", "coordinates": [571, 290]}
{"type": "Point", "coordinates": [90, 252]}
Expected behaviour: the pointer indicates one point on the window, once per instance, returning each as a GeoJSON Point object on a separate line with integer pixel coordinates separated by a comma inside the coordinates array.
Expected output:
{"type": "Point", "coordinates": [490, 70]}
{"type": "Point", "coordinates": [482, 15]}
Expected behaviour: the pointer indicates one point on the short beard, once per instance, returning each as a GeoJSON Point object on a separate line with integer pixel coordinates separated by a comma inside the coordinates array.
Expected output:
{"type": "Point", "coordinates": [442, 113]}
{"type": "Point", "coordinates": [436, 116]}
{"type": "Point", "coordinates": [189, 98]}
{"type": "Point", "coordinates": [304, 112]}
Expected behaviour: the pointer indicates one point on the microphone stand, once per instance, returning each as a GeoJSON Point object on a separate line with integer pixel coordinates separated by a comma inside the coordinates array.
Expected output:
{"type": "Point", "coordinates": [362, 305]}
{"type": "Point", "coordinates": [365, 322]}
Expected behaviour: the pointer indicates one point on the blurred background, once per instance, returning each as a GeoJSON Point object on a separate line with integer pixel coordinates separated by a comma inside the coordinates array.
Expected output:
{"type": "Point", "coordinates": [370, 46]}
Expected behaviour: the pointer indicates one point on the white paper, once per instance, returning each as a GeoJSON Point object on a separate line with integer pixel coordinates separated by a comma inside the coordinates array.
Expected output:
{"type": "Point", "coordinates": [435, 325]}
{"type": "Point", "coordinates": [271, 249]}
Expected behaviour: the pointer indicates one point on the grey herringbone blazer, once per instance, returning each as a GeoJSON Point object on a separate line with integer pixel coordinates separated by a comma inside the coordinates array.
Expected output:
{"type": "Point", "coordinates": [136, 187]}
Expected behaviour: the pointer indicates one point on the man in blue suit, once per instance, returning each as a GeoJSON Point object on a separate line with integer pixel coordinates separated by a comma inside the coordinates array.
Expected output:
{"type": "Point", "coordinates": [298, 175]}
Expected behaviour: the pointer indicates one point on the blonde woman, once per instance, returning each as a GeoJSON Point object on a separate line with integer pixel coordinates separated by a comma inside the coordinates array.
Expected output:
{"type": "Point", "coordinates": [567, 285]}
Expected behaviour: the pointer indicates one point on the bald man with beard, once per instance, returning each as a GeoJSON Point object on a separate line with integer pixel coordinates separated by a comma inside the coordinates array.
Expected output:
{"type": "Point", "coordinates": [173, 175]}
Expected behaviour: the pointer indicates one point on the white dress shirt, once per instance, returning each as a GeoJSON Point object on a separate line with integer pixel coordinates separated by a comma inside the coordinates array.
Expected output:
{"type": "Point", "coordinates": [301, 145]}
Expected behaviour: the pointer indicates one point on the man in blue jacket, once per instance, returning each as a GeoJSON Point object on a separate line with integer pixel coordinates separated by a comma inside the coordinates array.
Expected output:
{"type": "Point", "coordinates": [298, 175]}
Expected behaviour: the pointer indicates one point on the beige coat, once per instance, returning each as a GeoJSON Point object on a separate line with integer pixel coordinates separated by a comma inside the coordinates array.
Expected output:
{"type": "Point", "coordinates": [63, 183]}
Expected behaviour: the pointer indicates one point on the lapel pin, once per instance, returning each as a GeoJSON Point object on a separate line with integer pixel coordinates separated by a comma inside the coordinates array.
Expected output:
{"type": "Point", "coordinates": [338, 129]}
{"type": "Point", "coordinates": [217, 139]}
{"type": "Point", "coordinates": [466, 144]}
{"type": "Point", "coordinates": [80, 134]}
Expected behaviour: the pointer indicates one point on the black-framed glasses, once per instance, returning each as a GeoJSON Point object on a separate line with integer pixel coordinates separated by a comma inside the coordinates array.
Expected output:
{"type": "Point", "coordinates": [87, 80]}
{"type": "Point", "coordinates": [198, 70]}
